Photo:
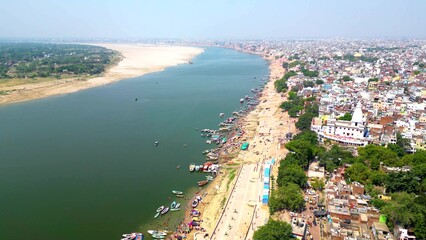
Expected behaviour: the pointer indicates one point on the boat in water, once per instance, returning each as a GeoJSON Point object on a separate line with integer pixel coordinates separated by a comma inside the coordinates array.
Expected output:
{"type": "Point", "coordinates": [197, 168]}
{"type": "Point", "coordinates": [173, 205]}
{"type": "Point", "coordinates": [177, 192]}
{"type": "Point", "coordinates": [179, 195]}
{"type": "Point", "coordinates": [156, 143]}
{"type": "Point", "coordinates": [165, 210]}
{"type": "Point", "coordinates": [202, 183]}
{"type": "Point", "coordinates": [132, 236]}
{"type": "Point", "coordinates": [157, 215]}
{"type": "Point", "coordinates": [160, 209]}
{"type": "Point", "coordinates": [192, 167]}
{"type": "Point", "coordinates": [158, 236]}
{"type": "Point", "coordinates": [175, 209]}
{"type": "Point", "coordinates": [221, 115]}
{"type": "Point", "coordinates": [177, 205]}
{"type": "Point", "coordinates": [152, 232]}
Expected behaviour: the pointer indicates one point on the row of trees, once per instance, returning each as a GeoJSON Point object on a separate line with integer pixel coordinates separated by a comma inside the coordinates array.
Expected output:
{"type": "Point", "coordinates": [281, 84]}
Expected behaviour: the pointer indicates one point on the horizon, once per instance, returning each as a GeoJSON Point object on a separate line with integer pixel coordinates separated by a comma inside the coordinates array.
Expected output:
{"type": "Point", "coordinates": [219, 20]}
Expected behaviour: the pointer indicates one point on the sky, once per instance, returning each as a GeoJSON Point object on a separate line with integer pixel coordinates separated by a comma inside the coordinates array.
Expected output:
{"type": "Point", "coordinates": [212, 19]}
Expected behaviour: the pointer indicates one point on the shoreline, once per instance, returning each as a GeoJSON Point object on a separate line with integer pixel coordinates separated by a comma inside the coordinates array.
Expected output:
{"type": "Point", "coordinates": [136, 60]}
{"type": "Point", "coordinates": [218, 193]}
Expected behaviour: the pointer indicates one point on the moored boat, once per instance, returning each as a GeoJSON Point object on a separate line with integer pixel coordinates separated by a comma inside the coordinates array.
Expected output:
{"type": "Point", "coordinates": [197, 168]}
{"type": "Point", "coordinates": [192, 167]}
{"type": "Point", "coordinates": [177, 192]}
{"type": "Point", "coordinates": [177, 205]}
{"type": "Point", "coordinates": [157, 214]}
{"type": "Point", "coordinates": [157, 232]}
{"type": "Point", "coordinates": [202, 183]}
{"type": "Point", "coordinates": [165, 210]}
{"type": "Point", "coordinates": [157, 236]}
{"type": "Point", "coordinates": [194, 203]}
{"type": "Point", "coordinates": [173, 205]}
{"type": "Point", "coordinates": [175, 209]}
{"type": "Point", "coordinates": [179, 195]}
{"type": "Point", "coordinates": [160, 209]}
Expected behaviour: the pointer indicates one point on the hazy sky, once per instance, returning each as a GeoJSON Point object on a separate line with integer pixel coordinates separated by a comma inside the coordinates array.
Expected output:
{"type": "Point", "coordinates": [212, 19]}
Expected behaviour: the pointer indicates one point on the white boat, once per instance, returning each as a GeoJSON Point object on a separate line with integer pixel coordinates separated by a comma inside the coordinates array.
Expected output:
{"type": "Point", "coordinates": [152, 232]}
{"type": "Point", "coordinates": [175, 209]}
{"type": "Point", "coordinates": [192, 167]}
{"type": "Point", "coordinates": [160, 209]}
{"type": "Point", "coordinates": [157, 236]}
{"type": "Point", "coordinates": [157, 214]}
{"type": "Point", "coordinates": [177, 192]}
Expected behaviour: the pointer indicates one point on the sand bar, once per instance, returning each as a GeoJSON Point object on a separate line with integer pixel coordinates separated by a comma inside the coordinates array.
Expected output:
{"type": "Point", "coordinates": [137, 60]}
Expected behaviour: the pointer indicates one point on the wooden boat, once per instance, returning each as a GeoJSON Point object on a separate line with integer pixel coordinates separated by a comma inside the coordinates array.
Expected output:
{"type": "Point", "coordinates": [160, 209]}
{"type": "Point", "coordinates": [165, 210]}
{"type": "Point", "coordinates": [192, 167]}
{"type": "Point", "coordinates": [173, 205]}
{"type": "Point", "coordinates": [179, 195]}
{"type": "Point", "coordinates": [194, 203]}
{"type": "Point", "coordinates": [177, 192]}
{"type": "Point", "coordinates": [202, 183]}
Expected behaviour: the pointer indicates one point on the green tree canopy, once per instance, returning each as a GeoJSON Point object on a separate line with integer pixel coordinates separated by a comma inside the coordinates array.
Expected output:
{"type": "Point", "coordinates": [274, 230]}
{"type": "Point", "coordinates": [291, 174]}
{"type": "Point", "coordinates": [358, 172]}
{"type": "Point", "coordinates": [346, 117]}
{"type": "Point", "coordinates": [287, 197]}
{"type": "Point", "coordinates": [335, 157]}
{"type": "Point", "coordinates": [374, 154]}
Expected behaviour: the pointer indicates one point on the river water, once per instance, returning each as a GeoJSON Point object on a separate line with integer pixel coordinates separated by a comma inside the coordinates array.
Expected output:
{"type": "Point", "coordinates": [84, 165]}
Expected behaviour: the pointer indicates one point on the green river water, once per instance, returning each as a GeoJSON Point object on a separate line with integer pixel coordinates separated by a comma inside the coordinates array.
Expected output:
{"type": "Point", "coordinates": [84, 166]}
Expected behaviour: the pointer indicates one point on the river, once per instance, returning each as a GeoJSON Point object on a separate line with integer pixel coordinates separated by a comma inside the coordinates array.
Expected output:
{"type": "Point", "coordinates": [84, 165]}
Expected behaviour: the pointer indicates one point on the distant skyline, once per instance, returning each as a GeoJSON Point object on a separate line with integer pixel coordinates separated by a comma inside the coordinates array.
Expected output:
{"type": "Point", "coordinates": [218, 19]}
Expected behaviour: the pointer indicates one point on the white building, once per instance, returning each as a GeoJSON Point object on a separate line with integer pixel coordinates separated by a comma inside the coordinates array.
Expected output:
{"type": "Point", "coordinates": [352, 132]}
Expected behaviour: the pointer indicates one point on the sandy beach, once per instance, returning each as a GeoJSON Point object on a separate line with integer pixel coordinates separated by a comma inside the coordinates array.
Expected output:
{"type": "Point", "coordinates": [233, 209]}
{"type": "Point", "coordinates": [137, 60]}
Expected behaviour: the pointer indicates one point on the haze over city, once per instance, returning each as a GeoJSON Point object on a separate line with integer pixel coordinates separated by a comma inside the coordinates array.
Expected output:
{"type": "Point", "coordinates": [220, 19]}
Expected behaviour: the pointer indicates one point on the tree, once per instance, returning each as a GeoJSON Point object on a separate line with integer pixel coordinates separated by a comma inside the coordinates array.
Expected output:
{"type": "Point", "coordinates": [308, 84]}
{"type": "Point", "coordinates": [358, 172]}
{"type": "Point", "coordinates": [346, 117]}
{"type": "Point", "coordinates": [373, 155]}
{"type": "Point", "coordinates": [308, 135]}
{"type": "Point", "coordinates": [304, 122]}
{"type": "Point", "coordinates": [346, 78]}
{"type": "Point", "coordinates": [335, 157]}
{"type": "Point", "coordinates": [287, 197]}
{"type": "Point", "coordinates": [285, 65]}
{"type": "Point", "coordinates": [319, 82]}
{"type": "Point", "coordinates": [291, 174]}
{"type": "Point", "coordinates": [274, 230]}
{"type": "Point", "coordinates": [317, 184]}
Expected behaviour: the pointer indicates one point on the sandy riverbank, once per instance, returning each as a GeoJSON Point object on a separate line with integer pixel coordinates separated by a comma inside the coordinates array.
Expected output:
{"type": "Point", "coordinates": [265, 128]}
{"type": "Point", "coordinates": [137, 60]}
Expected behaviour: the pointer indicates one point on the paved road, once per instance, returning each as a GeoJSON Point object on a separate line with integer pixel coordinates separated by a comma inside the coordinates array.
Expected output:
{"type": "Point", "coordinates": [238, 214]}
